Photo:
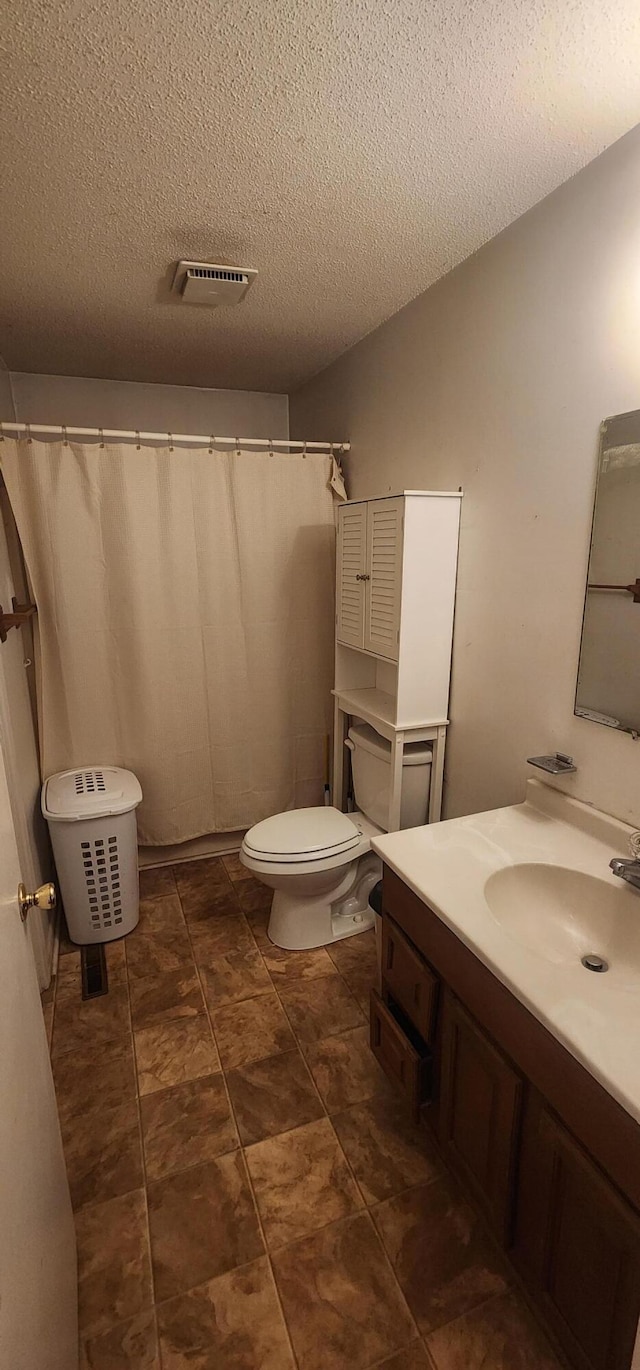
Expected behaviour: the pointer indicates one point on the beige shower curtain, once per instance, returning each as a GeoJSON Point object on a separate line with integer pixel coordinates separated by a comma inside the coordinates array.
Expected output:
{"type": "Point", "coordinates": [185, 622]}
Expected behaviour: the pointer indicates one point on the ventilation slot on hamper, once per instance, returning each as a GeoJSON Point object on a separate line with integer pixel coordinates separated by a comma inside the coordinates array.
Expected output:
{"type": "Point", "coordinates": [89, 782]}
{"type": "Point", "coordinates": [102, 878]}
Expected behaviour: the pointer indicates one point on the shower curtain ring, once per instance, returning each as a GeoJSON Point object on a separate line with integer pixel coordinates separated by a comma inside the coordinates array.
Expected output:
{"type": "Point", "coordinates": [29, 437]}
{"type": "Point", "coordinates": [211, 442]}
{"type": "Point", "coordinates": [270, 447]}
{"type": "Point", "coordinates": [137, 439]}
{"type": "Point", "coordinates": [101, 436]}
{"type": "Point", "coordinates": [304, 449]}
{"type": "Point", "coordinates": [237, 447]}
{"type": "Point", "coordinates": [1, 433]}
{"type": "Point", "coordinates": [64, 436]}
{"type": "Point", "coordinates": [170, 437]}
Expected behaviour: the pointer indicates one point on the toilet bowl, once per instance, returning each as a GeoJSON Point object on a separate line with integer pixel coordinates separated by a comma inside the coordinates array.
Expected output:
{"type": "Point", "coordinates": [321, 868]}
{"type": "Point", "coordinates": [319, 861]}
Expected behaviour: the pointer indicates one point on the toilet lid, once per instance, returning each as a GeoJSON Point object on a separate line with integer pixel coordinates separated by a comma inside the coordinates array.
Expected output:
{"type": "Point", "coordinates": [302, 834]}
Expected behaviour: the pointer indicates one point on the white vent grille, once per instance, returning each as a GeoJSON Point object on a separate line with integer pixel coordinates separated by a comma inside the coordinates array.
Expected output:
{"type": "Point", "coordinates": [215, 273]}
{"type": "Point", "coordinates": [212, 284]}
{"type": "Point", "coordinates": [101, 863]}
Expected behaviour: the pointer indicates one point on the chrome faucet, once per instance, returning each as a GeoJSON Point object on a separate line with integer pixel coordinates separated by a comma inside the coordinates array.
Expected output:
{"type": "Point", "coordinates": [628, 868]}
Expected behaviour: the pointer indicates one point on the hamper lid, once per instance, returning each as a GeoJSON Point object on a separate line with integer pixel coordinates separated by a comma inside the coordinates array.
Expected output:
{"type": "Point", "coordinates": [89, 792]}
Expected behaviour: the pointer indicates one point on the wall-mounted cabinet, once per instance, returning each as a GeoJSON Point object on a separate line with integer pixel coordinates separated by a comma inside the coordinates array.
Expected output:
{"type": "Point", "coordinates": [395, 591]}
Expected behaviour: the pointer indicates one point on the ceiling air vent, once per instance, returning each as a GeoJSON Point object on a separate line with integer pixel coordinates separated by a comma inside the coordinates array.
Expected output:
{"type": "Point", "coordinates": [204, 283]}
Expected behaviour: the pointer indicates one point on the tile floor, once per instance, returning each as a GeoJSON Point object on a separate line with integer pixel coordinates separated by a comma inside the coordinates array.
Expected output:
{"type": "Point", "coordinates": [248, 1192]}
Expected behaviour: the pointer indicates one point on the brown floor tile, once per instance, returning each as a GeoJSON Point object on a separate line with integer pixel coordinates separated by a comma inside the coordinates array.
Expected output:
{"type": "Point", "coordinates": [91, 1023]}
{"type": "Point", "coordinates": [186, 1125]}
{"type": "Point", "coordinates": [386, 1151]}
{"type": "Point", "coordinates": [160, 944]}
{"type": "Point", "coordinates": [301, 1181]}
{"type": "Point", "coordinates": [502, 1334]}
{"type": "Point", "coordinates": [156, 881]}
{"type": "Point", "coordinates": [254, 897]}
{"type": "Point", "coordinates": [232, 1323]}
{"type": "Point", "coordinates": [115, 955]}
{"type": "Point", "coordinates": [102, 1153]}
{"type": "Point", "coordinates": [235, 870]}
{"type": "Point", "coordinates": [297, 965]}
{"type": "Point", "coordinates": [114, 1273]}
{"type": "Point", "coordinates": [414, 1357]}
{"type": "Point", "coordinates": [251, 1030]}
{"type": "Point", "coordinates": [205, 889]}
{"type": "Point", "coordinates": [341, 1301]}
{"type": "Point", "coordinates": [173, 995]}
{"type": "Point", "coordinates": [356, 959]}
{"type": "Point", "coordinates": [444, 1259]}
{"type": "Point", "coordinates": [158, 913]}
{"type": "Point", "coordinates": [215, 937]}
{"type": "Point", "coordinates": [346, 1071]}
{"type": "Point", "coordinates": [320, 1008]}
{"type": "Point", "coordinates": [237, 976]}
{"type": "Point", "coordinates": [47, 1017]}
{"type": "Point", "coordinates": [258, 921]}
{"type": "Point", "coordinates": [272, 1096]}
{"type": "Point", "coordinates": [69, 976]}
{"type": "Point", "coordinates": [133, 1345]}
{"type": "Point", "coordinates": [177, 1050]}
{"type": "Point", "coordinates": [81, 1089]}
{"type": "Point", "coordinates": [202, 1222]}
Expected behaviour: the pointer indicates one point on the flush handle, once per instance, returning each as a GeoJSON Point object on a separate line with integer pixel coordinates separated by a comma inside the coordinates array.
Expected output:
{"type": "Point", "coordinates": [43, 898]}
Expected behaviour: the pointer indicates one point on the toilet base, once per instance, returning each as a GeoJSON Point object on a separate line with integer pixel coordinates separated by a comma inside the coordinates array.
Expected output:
{"type": "Point", "coordinates": [299, 924]}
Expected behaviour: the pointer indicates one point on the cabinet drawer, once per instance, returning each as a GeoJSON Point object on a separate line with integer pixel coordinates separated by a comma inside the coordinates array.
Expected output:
{"type": "Point", "coordinates": [398, 1057]}
{"type": "Point", "coordinates": [409, 979]}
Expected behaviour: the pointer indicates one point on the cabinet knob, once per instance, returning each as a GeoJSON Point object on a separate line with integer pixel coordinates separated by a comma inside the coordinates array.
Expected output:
{"type": "Point", "coordinates": [363, 577]}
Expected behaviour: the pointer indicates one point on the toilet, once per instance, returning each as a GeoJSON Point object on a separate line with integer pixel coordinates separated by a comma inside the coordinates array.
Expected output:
{"type": "Point", "coordinates": [319, 861]}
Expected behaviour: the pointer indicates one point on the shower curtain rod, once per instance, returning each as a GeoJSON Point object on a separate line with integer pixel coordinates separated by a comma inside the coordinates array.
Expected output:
{"type": "Point", "coordinates": [207, 440]}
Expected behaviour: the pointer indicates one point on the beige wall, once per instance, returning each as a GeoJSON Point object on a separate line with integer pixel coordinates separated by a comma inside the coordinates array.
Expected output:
{"type": "Point", "coordinates": [497, 379]}
{"type": "Point", "coordinates": [78, 401]}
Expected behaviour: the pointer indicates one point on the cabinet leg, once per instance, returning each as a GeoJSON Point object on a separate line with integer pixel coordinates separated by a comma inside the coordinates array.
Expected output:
{"type": "Point", "coordinates": [397, 750]}
{"type": "Point", "coordinates": [339, 784]}
{"type": "Point", "coordinates": [437, 776]}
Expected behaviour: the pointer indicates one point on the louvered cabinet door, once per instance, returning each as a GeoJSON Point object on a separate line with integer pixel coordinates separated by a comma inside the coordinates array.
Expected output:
{"type": "Point", "coordinates": [384, 583]}
{"type": "Point", "coordinates": [352, 551]}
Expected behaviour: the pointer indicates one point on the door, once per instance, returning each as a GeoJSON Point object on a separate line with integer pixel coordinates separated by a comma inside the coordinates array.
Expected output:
{"type": "Point", "coordinates": [577, 1244]}
{"type": "Point", "coordinates": [38, 1323]}
{"type": "Point", "coordinates": [20, 749]}
{"type": "Point", "coordinates": [351, 576]}
{"type": "Point", "coordinates": [384, 577]}
{"type": "Point", "coordinates": [479, 1115]}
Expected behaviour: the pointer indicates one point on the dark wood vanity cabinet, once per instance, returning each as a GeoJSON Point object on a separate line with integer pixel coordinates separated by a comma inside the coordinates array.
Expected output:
{"type": "Point", "coordinates": [576, 1244]}
{"type": "Point", "coordinates": [479, 1113]}
{"type": "Point", "coordinates": [548, 1156]}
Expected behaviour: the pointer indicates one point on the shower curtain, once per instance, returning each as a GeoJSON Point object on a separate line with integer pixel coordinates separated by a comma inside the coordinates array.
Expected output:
{"type": "Point", "coordinates": [185, 622]}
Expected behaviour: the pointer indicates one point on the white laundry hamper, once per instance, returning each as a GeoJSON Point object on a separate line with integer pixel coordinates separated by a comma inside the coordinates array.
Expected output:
{"type": "Point", "coordinates": [91, 816]}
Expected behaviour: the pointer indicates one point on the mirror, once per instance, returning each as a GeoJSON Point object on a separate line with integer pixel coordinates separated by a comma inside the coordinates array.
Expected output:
{"type": "Point", "coordinates": [608, 688]}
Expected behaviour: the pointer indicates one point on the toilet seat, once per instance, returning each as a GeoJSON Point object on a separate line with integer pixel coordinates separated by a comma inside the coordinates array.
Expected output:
{"type": "Point", "coordinates": [302, 836]}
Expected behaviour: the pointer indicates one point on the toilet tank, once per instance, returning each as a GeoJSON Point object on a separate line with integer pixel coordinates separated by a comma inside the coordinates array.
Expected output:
{"type": "Point", "coordinates": [371, 767]}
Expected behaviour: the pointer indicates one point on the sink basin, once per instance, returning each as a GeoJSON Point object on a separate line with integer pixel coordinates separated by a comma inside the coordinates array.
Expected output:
{"type": "Point", "coordinates": [564, 914]}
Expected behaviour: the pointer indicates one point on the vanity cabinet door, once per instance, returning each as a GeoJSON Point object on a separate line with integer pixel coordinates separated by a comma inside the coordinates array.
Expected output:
{"type": "Point", "coordinates": [479, 1113]}
{"type": "Point", "coordinates": [351, 573]}
{"type": "Point", "coordinates": [577, 1245]}
{"type": "Point", "coordinates": [409, 979]}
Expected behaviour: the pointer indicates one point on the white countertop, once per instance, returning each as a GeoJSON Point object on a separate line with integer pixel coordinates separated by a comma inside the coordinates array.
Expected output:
{"type": "Point", "coordinates": [596, 1017]}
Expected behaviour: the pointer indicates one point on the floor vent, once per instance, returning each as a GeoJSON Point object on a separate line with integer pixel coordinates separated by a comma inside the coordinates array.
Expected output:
{"type": "Point", "coordinates": [95, 980]}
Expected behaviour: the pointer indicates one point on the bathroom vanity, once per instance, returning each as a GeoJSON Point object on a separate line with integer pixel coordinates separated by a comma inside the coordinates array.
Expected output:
{"type": "Point", "coordinates": [523, 1063]}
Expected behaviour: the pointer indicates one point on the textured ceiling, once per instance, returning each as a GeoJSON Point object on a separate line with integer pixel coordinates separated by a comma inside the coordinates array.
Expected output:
{"type": "Point", "coordinates": [352, 150]}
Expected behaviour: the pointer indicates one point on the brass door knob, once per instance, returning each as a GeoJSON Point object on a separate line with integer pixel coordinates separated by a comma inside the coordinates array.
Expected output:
{"type": "Point", "coordinates": [44, 898]}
